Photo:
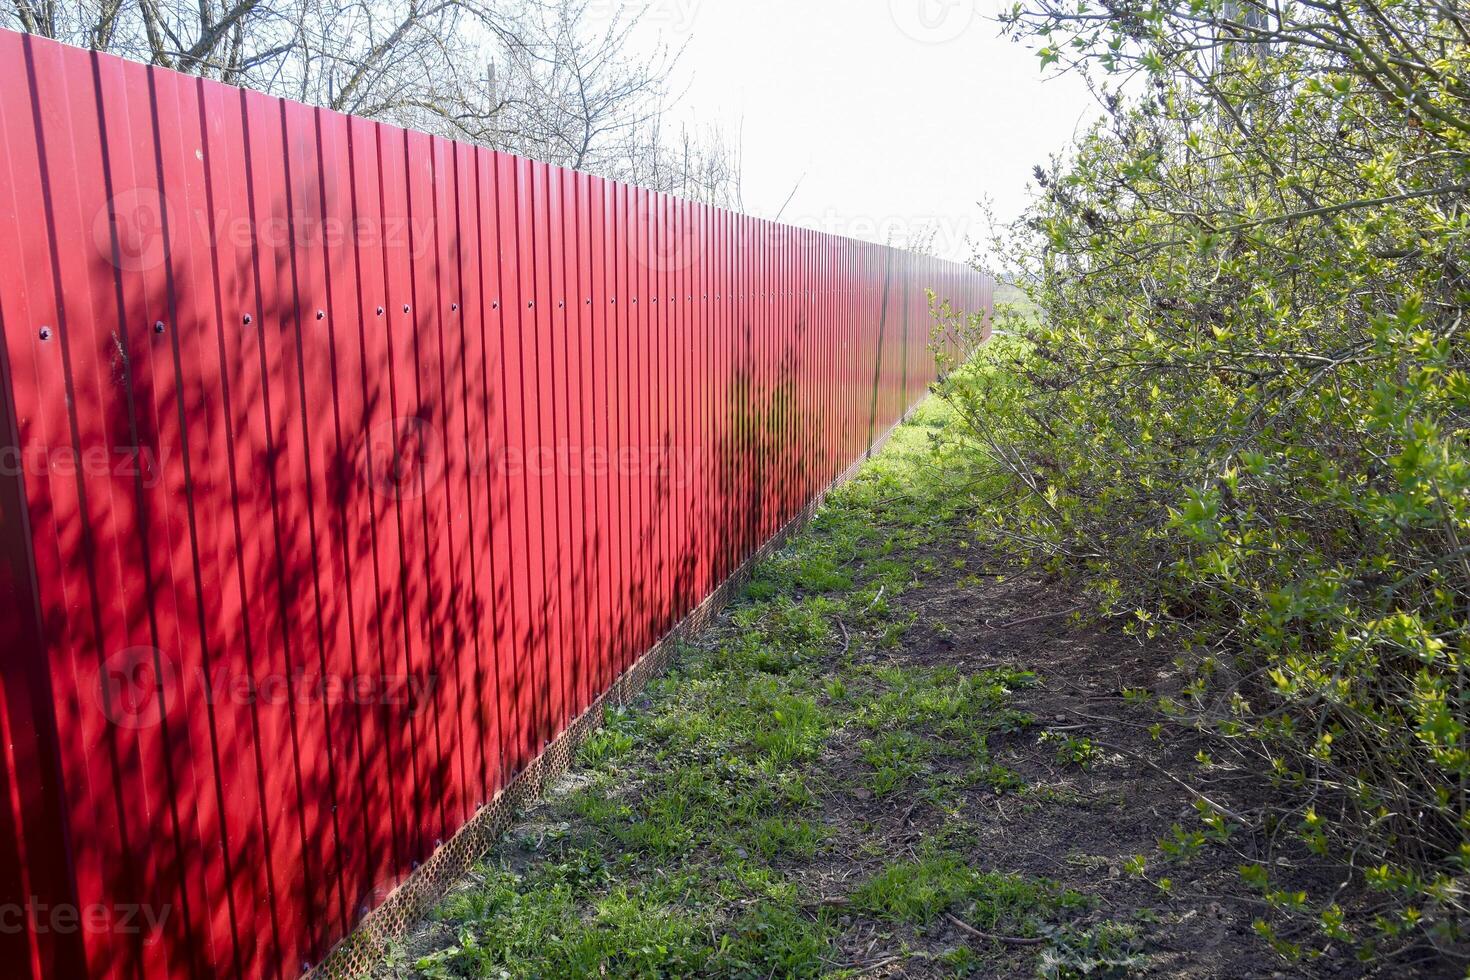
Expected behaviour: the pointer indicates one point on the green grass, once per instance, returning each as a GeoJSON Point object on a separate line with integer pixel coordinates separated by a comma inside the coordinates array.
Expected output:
{"type": "Point", "coordinates": [689, 841]}
{"type": "Point", "coordinates": [535, 926]}
{"type": "Point", "coordinates": [918, 891]}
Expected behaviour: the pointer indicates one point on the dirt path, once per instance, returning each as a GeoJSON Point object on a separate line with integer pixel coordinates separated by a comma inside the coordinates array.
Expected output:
{"type": "Point", "coordinates": [895, 756]}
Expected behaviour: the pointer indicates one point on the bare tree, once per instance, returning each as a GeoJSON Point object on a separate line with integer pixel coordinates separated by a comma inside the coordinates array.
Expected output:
{"type": "Point", "coordinates": [589, 98]}
{"type": "Point", "coordinates": [536, 77]}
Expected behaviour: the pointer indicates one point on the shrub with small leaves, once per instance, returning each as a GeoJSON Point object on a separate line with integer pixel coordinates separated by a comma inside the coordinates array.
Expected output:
{"type": "Point", "coordinates": [1239, 404]}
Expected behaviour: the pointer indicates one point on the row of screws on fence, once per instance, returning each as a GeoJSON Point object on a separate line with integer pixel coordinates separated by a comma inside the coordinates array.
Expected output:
{"type": "Point", "coordinates": [247, 319]}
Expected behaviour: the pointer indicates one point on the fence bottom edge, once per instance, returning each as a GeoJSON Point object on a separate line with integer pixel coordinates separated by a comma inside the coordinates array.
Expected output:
{"type": "Point", "coordinates": [354, 955]}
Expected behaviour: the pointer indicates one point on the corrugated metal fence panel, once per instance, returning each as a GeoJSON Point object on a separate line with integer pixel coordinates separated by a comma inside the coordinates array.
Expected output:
{"type": "Point", "coordinates": [343, 468]}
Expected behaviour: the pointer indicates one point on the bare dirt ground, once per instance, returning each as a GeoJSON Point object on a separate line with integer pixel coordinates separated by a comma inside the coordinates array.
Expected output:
{"type": "Point", "coordinates": [1080, 825]}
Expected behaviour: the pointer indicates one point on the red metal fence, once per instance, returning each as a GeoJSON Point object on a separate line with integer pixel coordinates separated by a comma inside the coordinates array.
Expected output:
{"type": "Point", "coordinates": [342, 467]}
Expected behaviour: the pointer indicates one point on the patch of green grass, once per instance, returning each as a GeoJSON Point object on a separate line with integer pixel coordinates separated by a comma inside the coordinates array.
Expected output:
{"type": "Point", "coordinates": [534, 926]}
{"type": "Point", "coordinates": [603, 745]}
{"type": "Point", "coordinates": [1001, 779]}
{"type": "Point", "coordinates": [892, 636]}
{"type": "Point", "coordinates": [896, 757]}
{"type": "Point", "coordinates": [962, 961]}
{"type": "Point", "coordinates": [919, 891]}
{"type": "Point", "coordinates": [791, 727]}
{"type": "Point", "coordinates": [943, 699]}
{"type": "Point", "coordinates": [785, 837]}
{"type": "Point", "coordinates": [774, 939]}
{"type": "Point", "coordinates": [797, 573]}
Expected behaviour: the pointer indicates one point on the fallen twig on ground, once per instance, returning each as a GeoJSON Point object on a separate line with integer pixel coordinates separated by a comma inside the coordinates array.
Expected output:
{"type": "Point", "coordinates": [965, 927]}
{"type": "Point", "coordinates": [1238, 818]}
{"type": "Point", "coordinates": [1031, 619]}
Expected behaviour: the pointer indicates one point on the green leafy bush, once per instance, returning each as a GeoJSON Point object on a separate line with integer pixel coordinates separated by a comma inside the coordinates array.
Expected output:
{"type": "Point", "coordinates": [1240, 404]}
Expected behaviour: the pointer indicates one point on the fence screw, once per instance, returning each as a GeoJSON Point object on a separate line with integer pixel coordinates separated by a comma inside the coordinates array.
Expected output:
{"type": "Point", "coordinates": [321, 314]}
{"type": "Point", "coordinates": [380, 311]}
{"type": "Point", "coordinates": [453, 307]}
{"type": "Point", "coordinates": [247, 318]}
{"type": "Point", "coordinates": [405, 307]}
{"type": "Point", "coordinates": [530, 303]}
{"type": "Point", "coordinates": [45, 333]}
{"type": "Point", "coordinates": [158, 326]}
{"type": "Point", "coordinates": [495, 304]}
{"type": "Point", "coordinates": [561, 304]}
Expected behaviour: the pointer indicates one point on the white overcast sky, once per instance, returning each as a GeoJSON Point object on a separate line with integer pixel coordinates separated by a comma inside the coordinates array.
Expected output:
{"type": "Point", "coordinates": [900, 113]}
